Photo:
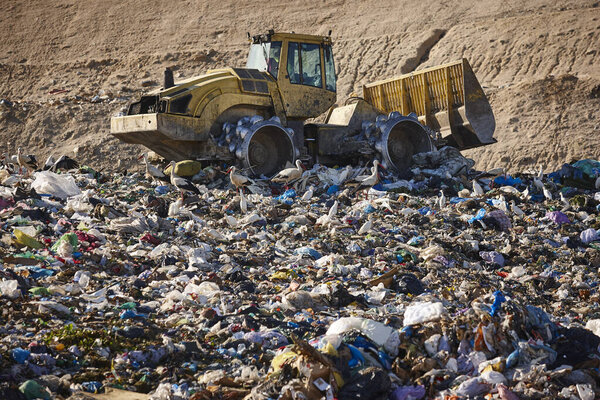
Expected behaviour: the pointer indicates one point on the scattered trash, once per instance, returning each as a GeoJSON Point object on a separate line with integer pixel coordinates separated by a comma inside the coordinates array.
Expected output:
{"type": "Point", "coordinates": [421, 288]}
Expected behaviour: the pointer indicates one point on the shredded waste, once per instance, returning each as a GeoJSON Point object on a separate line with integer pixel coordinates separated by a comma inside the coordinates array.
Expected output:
{"type": "Point", "coordinates": [448, 284]}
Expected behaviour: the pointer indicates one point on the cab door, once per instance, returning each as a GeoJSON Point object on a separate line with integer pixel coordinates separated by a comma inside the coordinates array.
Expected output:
{"type": "Point", "coordinates": [302, 80]}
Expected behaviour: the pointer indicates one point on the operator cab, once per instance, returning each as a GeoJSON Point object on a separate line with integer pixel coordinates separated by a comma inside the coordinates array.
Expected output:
{"type": "Point", "coordinates": [303, 67]}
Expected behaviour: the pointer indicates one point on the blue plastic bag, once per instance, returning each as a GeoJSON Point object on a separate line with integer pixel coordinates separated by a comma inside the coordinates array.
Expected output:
{"type": "Point", "coordinates": [479, 216]}
{"type": "Point", "coordinates": [498, 300]}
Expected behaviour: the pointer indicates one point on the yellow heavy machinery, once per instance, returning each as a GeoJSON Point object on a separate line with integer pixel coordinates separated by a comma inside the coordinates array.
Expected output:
{"type": "Point", "coordinates": [255, 116]}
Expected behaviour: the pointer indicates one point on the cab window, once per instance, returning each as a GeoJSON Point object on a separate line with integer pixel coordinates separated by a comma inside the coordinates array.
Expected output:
{"type": "Point", "coordinates": [293, 62]}
{"type": "Point", "coordinates": [329, 68]}
{"type": "Point", "coordinates": [273, 63]}
{"type": "Point", "coordinates": [304, 64]}
{"type": "Point", "coordinates": [311, 65]}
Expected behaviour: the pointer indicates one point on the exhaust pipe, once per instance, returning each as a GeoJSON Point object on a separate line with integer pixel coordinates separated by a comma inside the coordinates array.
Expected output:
{"type": "Point", "coordinates": [168, 82]}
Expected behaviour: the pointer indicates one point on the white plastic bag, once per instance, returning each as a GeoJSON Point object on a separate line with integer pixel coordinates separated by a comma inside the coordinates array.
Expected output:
{"type": "Point", "coordinates": [418, 313]}
{"type": "Point", "coordinates": [10, 288]}
{"type": "Point", "coordinates": [61, 186]}
{"type": "Point", "coordinates": [379, 333]}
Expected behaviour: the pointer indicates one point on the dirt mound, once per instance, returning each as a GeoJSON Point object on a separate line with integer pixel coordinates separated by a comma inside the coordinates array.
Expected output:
{"type": "Point", "coordinates": [67, 66]}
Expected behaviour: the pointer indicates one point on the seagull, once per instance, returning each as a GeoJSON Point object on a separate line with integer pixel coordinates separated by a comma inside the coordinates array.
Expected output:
{"type": "Point", "coordinates": [372, 179]}
{"type": "Point", "coordinates": [333, 210]}
{"type": "Point", "coordinates": [308, 194]}
{"type": "Point", "coordinates": [525, 194]}
{"type": "Point", "coordinates": [289, 174]}
{"type": "Point", "coordinates": [366, 227]}
{"type": "Point", "coordinates": [442, 199]}
{"type": "Point", "coordinates": [515, 209]}
{"type": "Point", "coordinates": [243, 203]}
{"type": "Point", "coordinates": [547, 193]}
{"type": "Point", "coordinates": [477, 189]}
{"type": "Point", "coordinates": [182, 184]}
{"type": "Point", "coordinates": [503, 205]}
{"type": "Point", "coordinates": [540, 174]}
{"type": "Point", "coordinates": [27, 161]}
{"type": "Point", "coordinates": [538, 184]}
{"type": "Point", "coordinates": [329, 218]}
{"type": "Point", "coordinates": [509, 190]}
{"type": "Point", "coordinates": [343, 175]}
{"type": "Point", "coordinates": [597, 184]}
{"type": "Point", "coordinates": [565, 201]}
{"type": "Point", "coordinates": [152, 172]}
{"type": "Point", "coordinates": [237, 180]}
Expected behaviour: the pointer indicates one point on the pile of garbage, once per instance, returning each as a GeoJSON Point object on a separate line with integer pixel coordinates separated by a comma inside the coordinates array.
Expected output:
{"type": "Point", "coordinates": [450, 284]}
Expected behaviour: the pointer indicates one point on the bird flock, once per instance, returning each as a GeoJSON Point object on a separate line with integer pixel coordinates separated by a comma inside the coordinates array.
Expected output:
{"type": "Point", "coordinates": [25, 164]}
{"type": "Point", "coordinates": [356, 179]}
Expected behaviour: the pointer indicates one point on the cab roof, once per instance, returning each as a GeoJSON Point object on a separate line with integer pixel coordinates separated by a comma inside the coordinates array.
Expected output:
{"type": "Point", "coordinates": [276, 36]}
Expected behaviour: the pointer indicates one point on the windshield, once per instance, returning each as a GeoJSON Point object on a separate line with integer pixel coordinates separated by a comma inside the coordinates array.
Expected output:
{"type": "Point", "coordinates": [257, 58]}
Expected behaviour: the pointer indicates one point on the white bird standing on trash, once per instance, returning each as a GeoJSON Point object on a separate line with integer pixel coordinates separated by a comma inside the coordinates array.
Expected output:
{"type": "Point", "coordinates": [329, 218]}
{"type": "Point", "coordinates": [503, 205]}
{"type": "Point", "coordinates": [333, 210]}
{"type": "Point", "coordinates": [289, 174]}
{"type": "Point", "coordinates": [525, 194]}
{"type": "Point", "coordinates": [308, 194]}
{"type": "Point", "coordinates": [26, 161]}
{"type": "Point", "coordinates": [565, 201]}
{"type": "Point", "coordinates": [152, 172]}
{"type": "Point", "coordinates": [547, 193]}
{"type": "Point", "coordinates": [243, 203]}
{"type": "Point", "coordinates": [540, 174]}
{"type": "Point", "coordinates": [372, 179]}
{"type": "Point", "coordinates": [343, 176]}
{"type": "Point", "coordinates": [182, 184]}
{"type": "Point", "coordinates": [442, 199]}
{"type": "Point", "coordinates": [538, 184]}
{"type": "Point", "coordinates": [237, 180]}
{"type": "Point", "coordinates": [477, 189]}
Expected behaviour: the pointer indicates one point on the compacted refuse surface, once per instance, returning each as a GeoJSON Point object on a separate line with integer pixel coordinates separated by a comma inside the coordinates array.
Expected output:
{"type": "Point", "coordinates": [449, 284]}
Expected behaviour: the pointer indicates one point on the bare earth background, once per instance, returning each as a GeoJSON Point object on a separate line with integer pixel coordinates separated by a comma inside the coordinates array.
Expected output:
{"type": "Point", "coordinates": [68, 65]}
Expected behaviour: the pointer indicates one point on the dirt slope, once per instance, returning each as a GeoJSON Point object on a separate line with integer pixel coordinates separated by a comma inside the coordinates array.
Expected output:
{"type": "Point", "coordinates": [67, 66]}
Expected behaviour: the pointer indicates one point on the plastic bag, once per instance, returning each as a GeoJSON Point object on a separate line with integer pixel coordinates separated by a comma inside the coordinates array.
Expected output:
{"type": "Point", "coordinates": [66, 245]}
{"type": "Point", "coordinates": [61, 186]}
{"type": "Point", "coordinates": [379, 333]}
{"type": "Point", "coordinates": [26, 240]}
{"type": "Point", "coordinates": [418, 313]}
{"type": "Point", "coordinates": [408, 392]}
{"type": "Point", "coordinates": [33, 390]}
{"type": "Point", "coordinates": [10, 288]}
